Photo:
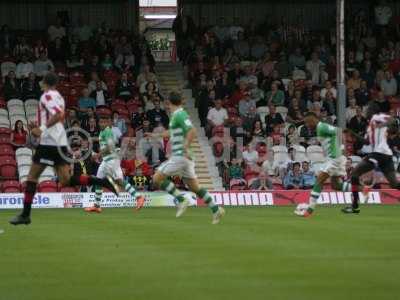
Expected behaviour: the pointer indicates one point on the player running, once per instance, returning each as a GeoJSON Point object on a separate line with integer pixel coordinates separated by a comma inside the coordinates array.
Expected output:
{"type": "Point", "coordinates": [111, 166]}
{"type": "Point", "coordinates": [381, 126]}
{"type": "Point", "coordinates": [335, 166]}
{"type": "Point", "coordinates": [182, 133]}
{"type": "Point", "coordinates": [52, 149]}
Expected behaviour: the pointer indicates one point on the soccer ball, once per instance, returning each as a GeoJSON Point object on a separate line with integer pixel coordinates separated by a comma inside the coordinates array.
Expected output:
{"type": "Point", "coordinates": [301, 209]}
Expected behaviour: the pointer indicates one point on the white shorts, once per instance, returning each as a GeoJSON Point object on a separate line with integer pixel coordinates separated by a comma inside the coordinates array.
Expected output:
{"type": "Point", "coordinates": [335, 167]}
{"type": "Point", "coordinates": [178, 166]}
{"type": "Point", "coordinates": [110, 168]}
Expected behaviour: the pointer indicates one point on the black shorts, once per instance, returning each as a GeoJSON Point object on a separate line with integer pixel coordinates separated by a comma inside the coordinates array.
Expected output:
{"type": "Point", "coordinates": [50, 155]}
{"type": "Point", "coordinates": [381, 161]}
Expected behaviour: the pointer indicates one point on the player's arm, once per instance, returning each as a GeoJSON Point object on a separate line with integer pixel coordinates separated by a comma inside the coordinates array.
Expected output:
{"type": "Point", "coordinates": [191, 135]}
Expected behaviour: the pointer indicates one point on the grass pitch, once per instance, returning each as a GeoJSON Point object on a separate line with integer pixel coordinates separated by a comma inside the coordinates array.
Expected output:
{"type": "Point", "coordinates": [256, 253]}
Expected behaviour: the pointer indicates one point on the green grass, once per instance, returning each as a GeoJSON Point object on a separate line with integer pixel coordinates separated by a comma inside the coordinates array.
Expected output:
{"type": "Point", "coordinates": [256, 253]}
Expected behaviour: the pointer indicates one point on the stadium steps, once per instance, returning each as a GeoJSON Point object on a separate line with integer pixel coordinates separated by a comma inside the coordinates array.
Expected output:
{"type": "Point", "coordinates": [170, 77]}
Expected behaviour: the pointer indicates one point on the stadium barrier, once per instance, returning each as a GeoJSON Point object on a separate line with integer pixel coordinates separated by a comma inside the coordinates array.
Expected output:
{"type": "Point", "coordinates": [228, 198]}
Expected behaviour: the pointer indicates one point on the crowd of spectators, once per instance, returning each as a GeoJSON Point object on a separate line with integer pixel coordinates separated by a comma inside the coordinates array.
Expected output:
{"type": "Point", "coordinates": [253, 83]}
{"type": "Point", "coordinates": [102, 71]}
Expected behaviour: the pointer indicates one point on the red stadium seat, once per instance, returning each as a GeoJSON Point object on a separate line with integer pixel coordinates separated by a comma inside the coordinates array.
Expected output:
{"type": "Point", "coordinates": [103, 111]}
{"type": "Point", "coordinates": [67, 189]}
{"type": "Point", "coordinates": [5, 132]}
{"type": "Point", "coordinates": [48, 187]}
{"type": "Point", "coordinates": [11, 186]}
{"type": "Point", "coordinates": [6, 150]}
{"type": "Point", "coordinates": [119, 102]}
{"type": "Point", "coordinates": [8, 167]}
{"type": "Point", "coordinates": [3, 103]}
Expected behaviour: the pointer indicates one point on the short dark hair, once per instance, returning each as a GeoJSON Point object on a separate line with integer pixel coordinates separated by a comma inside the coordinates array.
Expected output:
{"type": "Point", "coordinates": [50, 79]}
{"type": "Point", "coordinates": [311, 114]}
{"type": "Point", "coordinates": [175, 98]}
{"type": "Point", "coordinates": [105, 117]}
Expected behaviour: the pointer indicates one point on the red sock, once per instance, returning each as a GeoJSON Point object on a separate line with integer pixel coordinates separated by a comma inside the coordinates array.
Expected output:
{"type": "Point", "coordinates": [28, 197]}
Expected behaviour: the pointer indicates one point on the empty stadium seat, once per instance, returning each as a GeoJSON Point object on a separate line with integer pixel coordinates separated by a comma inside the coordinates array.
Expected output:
{"type": "Point", "coordinates": [280, 154]}
{"type": "Point", "coordinates": [315, 154]}
{"type": "Point", "coordinates": [14, 103]}
{"type": "Point", "coordinates": [67, 189]}
{"type": "Point", "coordinates": [7, 150]}
{"type": "Point", "coordinates": [24, 161]}
{"type": "Point", "coordinates": [23, 152]}
{"type": "Point", "coordinates": [5, 132]}
{"type": "Point", "coordinates": [282, 110]}
{"type": "Point", "coordinates": [11, 186]}
{"type": "Point", "coordinates": [103, 111]}
{"type": "Point", "coordinates": [3, 112]}
{"type": "Point", "coordinates": [23, 172]}
{"type": "Point", "coordinates": [300, 153]}
{"type": "Point", "coordinates": [48, 187]}
{"type": "Point", "coordinates": [8, 167]}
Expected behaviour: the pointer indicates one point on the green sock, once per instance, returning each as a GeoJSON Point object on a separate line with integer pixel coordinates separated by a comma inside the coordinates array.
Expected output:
{"type": "Point", "coordinates": [170, 188]}
{"type": "Point", "coordinates": [98, 194]}
{"type": "Point", "coordinates": [205, 195]}
{"type": "Point", "coordinates": [130, 189]}
{"type": "Point", "coordinates": [315, 193]}
{"type": "Point", "coordinates": [345, 186]}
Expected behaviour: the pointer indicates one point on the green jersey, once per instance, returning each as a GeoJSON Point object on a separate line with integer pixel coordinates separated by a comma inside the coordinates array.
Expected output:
{"type": "Point", "coordinates": [179, 126]}
{"type": "Point", "coordinates": [329, 138]}
{"type": "Point", "coordinates": [107, 140]}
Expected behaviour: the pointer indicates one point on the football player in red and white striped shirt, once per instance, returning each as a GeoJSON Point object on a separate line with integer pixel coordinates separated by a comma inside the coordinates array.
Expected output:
{"type": "Point", "coordinates": [381, 127]}
{"type": "Point", "coordinates": [53, 148]}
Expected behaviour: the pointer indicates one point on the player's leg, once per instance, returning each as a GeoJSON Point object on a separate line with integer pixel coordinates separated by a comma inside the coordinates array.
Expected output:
{"type": "Point", "coordinates": [161, 181]}
{"type": "Point", "coordinates": [30, 190]}
{"type": "Point", "coordinates": [218, 212]}
{"type": "Point", "coordinates": [316, 192]}
{"type": "Point", "coordinates": [387, 167]}
{"type": "Point", "coordinates": [338, 184]}
{"type": "Point", "coordinates": [363, 167]}
{"type": "Point", "coordinates": [98, 190]}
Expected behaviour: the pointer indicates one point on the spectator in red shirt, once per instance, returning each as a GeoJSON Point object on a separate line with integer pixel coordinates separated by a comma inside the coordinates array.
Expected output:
{"type": "Point", "coordinates": [18, 135]}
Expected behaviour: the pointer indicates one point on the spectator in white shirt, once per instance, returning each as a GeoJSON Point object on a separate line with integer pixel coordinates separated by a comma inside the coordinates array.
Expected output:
{"type": "Point", "coordinates": [250, 156]}
{"type": "Point", "coordinates": [94, 78]}
{"type": "Point", "coordinates": [389, 85]}
{"type": "Point", "coordinates": [125, 62]}
{"type": "Point", "coordinates": [24, 68]}
{"type": "Point", "coordinates": [56, 31]}
{"type": "Point", "coordinates": [83, 31]}
{"type": "Point", "coordinates": [313, 66]}
{"type": "Point", "coordinates": [383, 14]}
{"type": "Point", "coordinates": [43, 65]}
{"type": "Point", "coordinates": [351, 110]}
{"type": "Point", "coordinates": [328, 88]}
{"type": "Point", "coordinates": [235, 29]}
{"type": "Point", "coordinates": [100, 95]}
{"type": "Point", "coordinates": [7, 66]}
{"type": "Point", "coordinates": [218, 115]}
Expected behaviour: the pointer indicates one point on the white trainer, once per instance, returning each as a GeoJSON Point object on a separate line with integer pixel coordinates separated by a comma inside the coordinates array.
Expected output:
{"type": "Point", "coordinates": [181, 208]}
{"type": "Point", "coordinates": [218, 215]}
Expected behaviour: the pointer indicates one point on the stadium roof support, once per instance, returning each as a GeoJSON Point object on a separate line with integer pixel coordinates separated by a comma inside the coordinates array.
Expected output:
{"type": "Point", "coordinates": [340, 63]}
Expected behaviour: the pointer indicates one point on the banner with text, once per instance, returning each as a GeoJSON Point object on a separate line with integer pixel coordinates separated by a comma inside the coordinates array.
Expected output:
{"type": "Point", "coordinates": [227, 198]}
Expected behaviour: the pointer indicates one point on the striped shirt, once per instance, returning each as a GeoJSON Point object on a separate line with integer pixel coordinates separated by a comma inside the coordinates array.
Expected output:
{"type": "Point", "coordinates": [107, 140]}
{"type": "Point", "coordinates": [51, 103]}
{"type": "Point", "coordinates": [179, 126]}
{"type": "Point", "coordinates": [329, 138]}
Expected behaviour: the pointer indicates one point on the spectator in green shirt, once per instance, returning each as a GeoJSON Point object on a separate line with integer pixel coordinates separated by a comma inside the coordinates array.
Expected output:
{"type": "Point", "coordinates": [235, 170]}
{"type": "Point", "coordinates": [275, 96]}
